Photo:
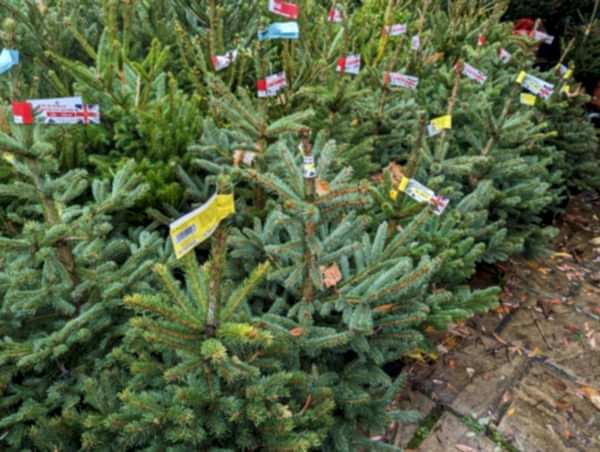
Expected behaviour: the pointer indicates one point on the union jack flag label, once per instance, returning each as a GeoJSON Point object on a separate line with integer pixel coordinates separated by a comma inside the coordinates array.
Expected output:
{"type": "Point", "coordinates": [395, 30]}
{"type": "Point", "coordinates": [401, 80]}
{"type": "Point", "coordinates": [349, 64]}
{"type": "Point", "coordinates": [474, 74]}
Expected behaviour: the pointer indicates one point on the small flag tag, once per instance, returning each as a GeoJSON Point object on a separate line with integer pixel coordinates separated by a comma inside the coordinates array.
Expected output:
{"type": "Point", "coordinates": [280, 30]}
{"type": "Point", "coordinates": [221, 62]}
{"type": "Point", "coordinates": [421, 193]}
{"type": "Point", "coordinates": [395, 30]}
{"type": "Point", "coordinates": [335, 16]}
{"type": "Point", "coordinates": [349, 64]}
{"type": "Point", "coordinates": [541, 36]}
{"type": "Point", "coordinates": [310, 170]}
{"type": "Point", "coordinates": [535, 85]}
{"type": "Point", "coordinates": [474, 74]}
{"type": "Point", "coordinates": [505, 56]}
{"type": "Point", "coordinates": [283, 8]}
{"type": "Point", "coordinates": [198, 225]}
{"type": "Point", "coordinates": [8, 59]}
{"type": "Point", "coordinates": [401, 80]}
{"type": "Point", "coordinates": [481, 40]}
{"type": "Point", "coordinates": [271, 85]}
{"type": "Point", "coordinates": [415, 42]}
{"type": "Point", "coordinates": [528, 99]}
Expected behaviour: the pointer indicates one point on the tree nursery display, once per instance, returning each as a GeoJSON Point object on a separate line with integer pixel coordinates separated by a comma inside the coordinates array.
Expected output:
{"type": "Point", "coordinates": [222, 220]}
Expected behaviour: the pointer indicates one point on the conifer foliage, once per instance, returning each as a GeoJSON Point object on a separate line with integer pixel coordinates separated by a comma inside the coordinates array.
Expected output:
{"type": "Point", "coordinates": [375, 158]}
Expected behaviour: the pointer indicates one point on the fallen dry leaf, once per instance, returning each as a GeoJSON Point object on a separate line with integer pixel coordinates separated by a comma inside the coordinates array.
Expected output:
{"type": "Point", "coordinates": [331, 275]}
{"type": "Point", "coordinates": [591, 394]}
{"type": "Point", "coordinates": [464, 448]}
{"type": "Point", "coordinates": [511, 411]}
{"type": "Point", "coordinates": [383, 308]}
{"type": "Point", "coordinates": [296, 331]}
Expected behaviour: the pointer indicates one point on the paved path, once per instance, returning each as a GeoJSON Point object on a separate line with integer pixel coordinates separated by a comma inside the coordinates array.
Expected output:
{"type": "Point", "coordinates": [526, 377]}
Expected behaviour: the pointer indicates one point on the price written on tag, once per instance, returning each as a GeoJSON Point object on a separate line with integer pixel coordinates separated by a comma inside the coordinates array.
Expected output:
{"type": "Point", "coordinates": [195, 227]}
{"type": "Point", "coordinates": [271, 85]}
{"type": "Point", "coordinates": [349, 64]}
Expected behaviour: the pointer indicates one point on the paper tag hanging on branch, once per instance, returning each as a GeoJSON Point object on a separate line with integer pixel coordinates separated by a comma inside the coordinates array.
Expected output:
{"type": "Point", "coordinates": [331, 275]}
{"type": "Point", "coordinates": [535, 85]}
{"type": "Point", "coordinates": [474, 74]}
{"type": "Point", "coordinates": [566, 89]}
{"type": "Point", "coordinates": [271, 85]}
{"type": "Point", "coordinates": [280, 30]}
{"type": "Point", "coordinates": [415, 42]}
{"type": "Point", "coordinates": [395, 30]}
{"type": "Point", "coordinates": [59, 111]}
{"type": "Point", "coordinates": [422, 194]}
{"type": "Point", "coordinates": [541, 36]}
{"type": "Point", "coordinates": [505, 56]}
{"type": "Point", "coordinates": [8, 59]}
{"type": "Point", "coordinates": [221, 62]}
{"type": "Point", "coordinates": [528, 99]}
{"type": "Point", "coordinates": [246, 157]}
{"type": "Point", "coordinates": [335, 16]}
{"type": "Point", "coordinates": [398, 79]}
{"type": "Point", "coordinates": [283, 8]}
{"type": "Point", "coordinates": [310, 170]}
{"type": "Point", "coordinates": [481, 40]}
{"type": "Point", "coordinates": [438, 124]}
{"type": "Point", "coordinates": [198, 225]}
{"type": "Point", "coordinates": [349, 64]}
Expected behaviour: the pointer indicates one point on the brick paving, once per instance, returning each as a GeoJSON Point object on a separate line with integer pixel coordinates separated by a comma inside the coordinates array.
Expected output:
{"type": "Point", "coordinates": [526, 377]}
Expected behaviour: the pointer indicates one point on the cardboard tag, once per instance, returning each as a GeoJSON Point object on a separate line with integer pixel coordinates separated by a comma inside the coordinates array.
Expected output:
{"type": "Point", "coordinates": [349, 64]}
{"type": "Point", "coordinates": [535, 85]}
{"type": "Point", "coordinates": [528, 99]}
{"type": "Point", "coordinates": [505, 56]}
{"type": "Point", "coordinates": [195, 227]}
{"type": "Point", "coordinates": [415, 42]}
{"type": "Point", "coordinates": [335, 16]}
{"type": "Point", "coordinates": [280, 30]}
{"type": "Point", "coordinates": [283, 8]}
{"type": "Point", "coordinates": [395, 30]}
{"type": "Point", "coordinates": [565, 72]}
{"type": "Point", "coordinates": [310, 170]}
{"type": "Point", "coordinates": [481, 40]}
{"type": "Point", "coordinates": [541, 36]}
{"type": "Point", "coordinates": [401, 80]}
{"type": "Point", "coordinates": [421, 194]}
{"type": "Point", "coordinates": [442, 122]}
{"type": "Point", "coordinates": [8, 59]}
{"type": "Point", "coordinates": [474, 74]}
{"type": "Point", "coordinates": [221, 62]}
{"type": "Point", "coordinates": [59, 111]}
{"type": "Point", "coordinates": [271, 85]}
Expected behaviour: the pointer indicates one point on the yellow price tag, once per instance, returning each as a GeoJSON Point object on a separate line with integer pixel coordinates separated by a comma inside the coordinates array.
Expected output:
{"type": "Point", "coordinates": [442, 122]}
{"type": "Point", "coordinates": [10, 158]}
{"type": "Point", "coordinates": [394, 195]}
{"type": "Point", "coordinates": [568, 74]}
{"type": "Point", "coordinates": [521, 77]}
{"type": "Point", "coordinates": [403, 183]}
{"type": "Point", "coordinates": [565, 89]}
{"type": "Point", "coordinates": [198, 225]}
{"type": "Point", "coordinates": [528, 99]}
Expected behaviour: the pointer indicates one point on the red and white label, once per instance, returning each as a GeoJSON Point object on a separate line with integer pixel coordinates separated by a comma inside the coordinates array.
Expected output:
{"type": "Point", "coordinates": [395, 30]}
{"type": "Point", "coordinates": [401, 80]}
{"type": "Point", "coordinates": [65, 110]}
{"type": "Point", "coordinates": [285, 9]}
{"type": "Point", "coordinates": [474, 74]}
{"type": "Point", "coordinates": [335, 16]}
{"type": "Point", "coordinates": [271, 85]}
{"type": "Point", "coordinates": [481, 40]}
{"type": "Point", "coordinates": [221, 62]}
{"type": "Point", "coordinates": [349, 64]}
{"type": "Point", "coordinates": [505, 56]}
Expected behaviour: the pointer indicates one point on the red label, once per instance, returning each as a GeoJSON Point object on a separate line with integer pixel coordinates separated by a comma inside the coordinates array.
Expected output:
{"type": "Point", "coordinates": [22, 112]}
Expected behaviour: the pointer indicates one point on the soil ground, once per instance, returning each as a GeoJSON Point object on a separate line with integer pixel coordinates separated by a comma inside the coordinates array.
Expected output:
{"type": "Point", "coordinates": [527, 376]}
